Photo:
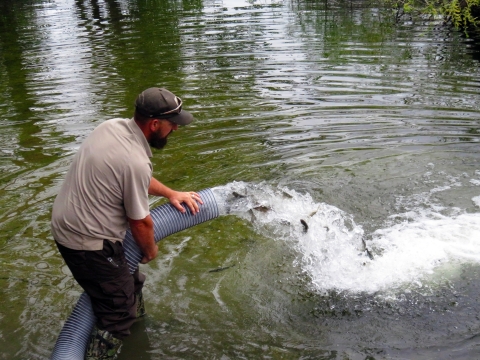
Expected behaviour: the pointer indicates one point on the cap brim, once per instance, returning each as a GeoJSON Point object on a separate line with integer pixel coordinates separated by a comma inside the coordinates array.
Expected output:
{"type": "Point", "coordinates": [184, 118]}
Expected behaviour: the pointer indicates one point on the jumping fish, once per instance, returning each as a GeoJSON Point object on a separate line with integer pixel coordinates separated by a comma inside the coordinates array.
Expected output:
{"type": "Point", "coordinates": [221, 269]}
{"type": "Point", "coordinates": [262, 208]}
{"type": "Point", "coordinates": [367, 251]}
{"type": "Point", "coordinates": [305, 225]}
{"type": "Point", "coordinates": [314, 212]}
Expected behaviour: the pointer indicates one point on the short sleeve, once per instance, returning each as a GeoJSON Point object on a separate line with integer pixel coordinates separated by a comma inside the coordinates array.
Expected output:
{"type": "Point", "coordinates": [136, 181]}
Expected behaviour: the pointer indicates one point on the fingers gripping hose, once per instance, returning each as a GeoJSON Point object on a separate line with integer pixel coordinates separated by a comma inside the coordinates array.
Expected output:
{"type": "Point", "coordinates": [73, 339]}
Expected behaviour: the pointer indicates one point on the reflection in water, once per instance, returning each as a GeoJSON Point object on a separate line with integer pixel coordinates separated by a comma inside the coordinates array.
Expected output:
{"type": "Point", "coordinates": [376, 121]}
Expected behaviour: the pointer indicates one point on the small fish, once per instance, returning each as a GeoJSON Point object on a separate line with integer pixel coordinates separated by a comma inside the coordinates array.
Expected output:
{"type": "Point", "coordinates": [262, 208]}
{"type": "Point", "coordinates": [364, 244]}
{"type": "Point", "coordinates": [287, 195]}
{"type": "Point", "coordinates": [305, 225]}
{"type": "Point", "coordinates": [252, 216]}
{"type": "Point", "coordinates": [314, 212]}
{"type": "Point", "coordinates": [368, 252]}
{"type": "Point", "coordinates": [370, 255]}
{"type": "Point", "coordinates": [237, 195]}
{"type": "Point", "coordinates": [221, 269]}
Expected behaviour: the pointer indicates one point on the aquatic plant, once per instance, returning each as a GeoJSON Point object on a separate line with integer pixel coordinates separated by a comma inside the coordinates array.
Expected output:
{"type": "Point", "coordinates": [462, 14]}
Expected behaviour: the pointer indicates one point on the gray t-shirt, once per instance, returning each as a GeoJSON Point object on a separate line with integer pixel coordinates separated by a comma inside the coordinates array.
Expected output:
{"type": "Point", "coordinates": [107, 182]}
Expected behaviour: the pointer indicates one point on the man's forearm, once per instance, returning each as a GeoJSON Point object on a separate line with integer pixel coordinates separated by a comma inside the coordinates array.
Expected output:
{"type": "Point", "coordinates": [190, 198]}
{"type": "Point", "coordinates": [156, 188]}
{"type": "Point", "coordinates": [142, 232]}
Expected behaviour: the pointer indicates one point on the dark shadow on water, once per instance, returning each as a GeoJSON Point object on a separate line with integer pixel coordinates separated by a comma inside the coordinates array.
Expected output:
{"type": "Point", "coordinates": [473, 43]}
{"type": "Point", "coordinates": [137, 345]}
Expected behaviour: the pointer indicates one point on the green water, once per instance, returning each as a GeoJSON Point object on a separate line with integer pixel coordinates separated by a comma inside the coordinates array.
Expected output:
{"type": "Point", "coordinates": [331, 100]}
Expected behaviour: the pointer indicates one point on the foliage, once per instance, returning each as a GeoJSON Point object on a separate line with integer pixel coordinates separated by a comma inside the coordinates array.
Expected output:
{"type": "Point", "coordinates": [460, 13]}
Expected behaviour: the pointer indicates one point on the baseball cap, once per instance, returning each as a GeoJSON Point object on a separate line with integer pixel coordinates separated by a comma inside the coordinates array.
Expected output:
{"type": "Point", "coordinates": [159, 103]}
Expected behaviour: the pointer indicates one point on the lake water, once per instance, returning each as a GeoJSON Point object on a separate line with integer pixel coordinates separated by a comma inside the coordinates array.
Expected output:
{"type": "Point", "coordinates": [331, 113]}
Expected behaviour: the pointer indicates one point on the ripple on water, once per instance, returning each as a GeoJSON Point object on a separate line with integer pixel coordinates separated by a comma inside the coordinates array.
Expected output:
{"type": "Point", "coordinates": [376, 122]}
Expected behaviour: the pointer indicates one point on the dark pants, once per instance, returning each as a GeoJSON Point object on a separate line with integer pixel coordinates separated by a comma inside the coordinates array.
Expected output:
{"type": "Point", "coordinates": [105, 277]}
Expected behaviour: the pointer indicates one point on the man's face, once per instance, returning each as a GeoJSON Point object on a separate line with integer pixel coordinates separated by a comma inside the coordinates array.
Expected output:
{"type": "Point", "coordinates": [158, 138]}
{"type": "Point", "coordinates": [157, 141]}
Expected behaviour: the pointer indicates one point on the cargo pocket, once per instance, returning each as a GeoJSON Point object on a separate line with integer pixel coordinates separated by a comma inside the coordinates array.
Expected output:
{"type": "Point", "coordinates": [120, 292]}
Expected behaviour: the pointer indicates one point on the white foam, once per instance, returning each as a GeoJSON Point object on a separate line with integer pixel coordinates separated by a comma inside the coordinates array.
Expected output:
{"type": "Point", "coordinates": [476, 200]}
{"type": "Point", "coordinates": [440, 189]}
{"type": "Point", "coordinates": [406, 253]}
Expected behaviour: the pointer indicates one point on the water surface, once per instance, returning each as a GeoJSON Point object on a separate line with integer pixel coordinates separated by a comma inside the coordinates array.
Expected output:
{"type": "Point", "coordinates": [366, 129]}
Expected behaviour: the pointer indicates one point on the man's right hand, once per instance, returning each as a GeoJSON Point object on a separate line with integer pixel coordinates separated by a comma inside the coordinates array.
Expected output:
{"type": "Point", "coordinates": [142, 232]}
{"type": "Point", "coordinates": [146, 259]}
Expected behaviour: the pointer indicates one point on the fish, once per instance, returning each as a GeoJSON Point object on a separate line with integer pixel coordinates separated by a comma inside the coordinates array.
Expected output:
{"type": "Point", "coordinates": [313, 212]}
{"type": "Point", "coordinates": [221, 269]}
{"type": "Point", "coordinates": [252, 215]}
{"type": "Point", "coordinates": [369, 253]}
{"type": "Point", "coordinates": [305, 225]}
{"type": "Point", "coordinates": [262, 208]}
{"type": "Point", "coordinates": [366, 250]}
{"type": "Point", "coordinates": [237, 195]}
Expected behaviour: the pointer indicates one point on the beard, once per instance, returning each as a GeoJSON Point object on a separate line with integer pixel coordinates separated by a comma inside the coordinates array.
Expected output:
{"type": "Point", "coordinates": [157, 142]}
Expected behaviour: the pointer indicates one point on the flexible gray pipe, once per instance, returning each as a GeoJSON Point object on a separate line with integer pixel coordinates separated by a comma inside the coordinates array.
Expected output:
{"type": "Point", "coordinates": [74, 337]}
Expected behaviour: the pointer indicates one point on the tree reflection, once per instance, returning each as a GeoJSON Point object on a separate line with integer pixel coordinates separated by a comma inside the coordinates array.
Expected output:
{"type": "Point", "coordinates": [140, 40]}
{"type": "Point", "coordinates": [15, 17]}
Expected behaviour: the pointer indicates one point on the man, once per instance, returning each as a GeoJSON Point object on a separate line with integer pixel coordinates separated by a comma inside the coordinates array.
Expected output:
{"type": "Point", "coordinates": [106, 191]}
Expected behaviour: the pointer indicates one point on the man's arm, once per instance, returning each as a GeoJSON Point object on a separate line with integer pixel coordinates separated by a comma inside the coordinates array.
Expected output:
{"type": "Point", "coordinates": [176, 198]}
{"type": "Point", "coordinates": [142, 232]}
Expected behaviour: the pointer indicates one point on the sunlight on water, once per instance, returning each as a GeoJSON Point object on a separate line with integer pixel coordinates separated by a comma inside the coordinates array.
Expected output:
{"type": "Point", "coordinates": [334, 251]}
{"type": "Point", "coordinates": [331, 113]}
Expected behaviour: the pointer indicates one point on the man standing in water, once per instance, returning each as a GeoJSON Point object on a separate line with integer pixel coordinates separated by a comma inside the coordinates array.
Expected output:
{"type": "Point", "coordinates": [106, 191]}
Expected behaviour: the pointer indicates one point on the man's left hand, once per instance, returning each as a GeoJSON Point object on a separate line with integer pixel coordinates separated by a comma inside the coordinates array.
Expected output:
{"type": "Point", "coordinates": [189, 198]}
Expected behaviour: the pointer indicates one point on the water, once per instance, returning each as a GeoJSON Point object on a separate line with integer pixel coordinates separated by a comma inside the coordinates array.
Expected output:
{"type": "Point", "coordinates": [337, 255]}
{"type": "Point", "coordinates": [329, 113]}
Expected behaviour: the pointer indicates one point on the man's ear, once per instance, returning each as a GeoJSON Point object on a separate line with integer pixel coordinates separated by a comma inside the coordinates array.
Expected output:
{"type": "Point", "coordinates": [154, 124]}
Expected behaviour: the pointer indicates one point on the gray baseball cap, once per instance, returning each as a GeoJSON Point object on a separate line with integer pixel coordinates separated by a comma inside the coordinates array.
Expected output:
{"type": "Point", "coordinates": [159, 103]}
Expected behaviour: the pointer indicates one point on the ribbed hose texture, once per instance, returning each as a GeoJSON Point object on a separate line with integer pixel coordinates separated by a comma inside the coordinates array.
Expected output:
{"type": "Point", "coordinates": [73, 339]}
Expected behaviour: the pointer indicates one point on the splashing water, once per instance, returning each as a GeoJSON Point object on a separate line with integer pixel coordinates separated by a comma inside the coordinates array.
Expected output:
{"type": "Point", "coordinates": [333, 251]}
